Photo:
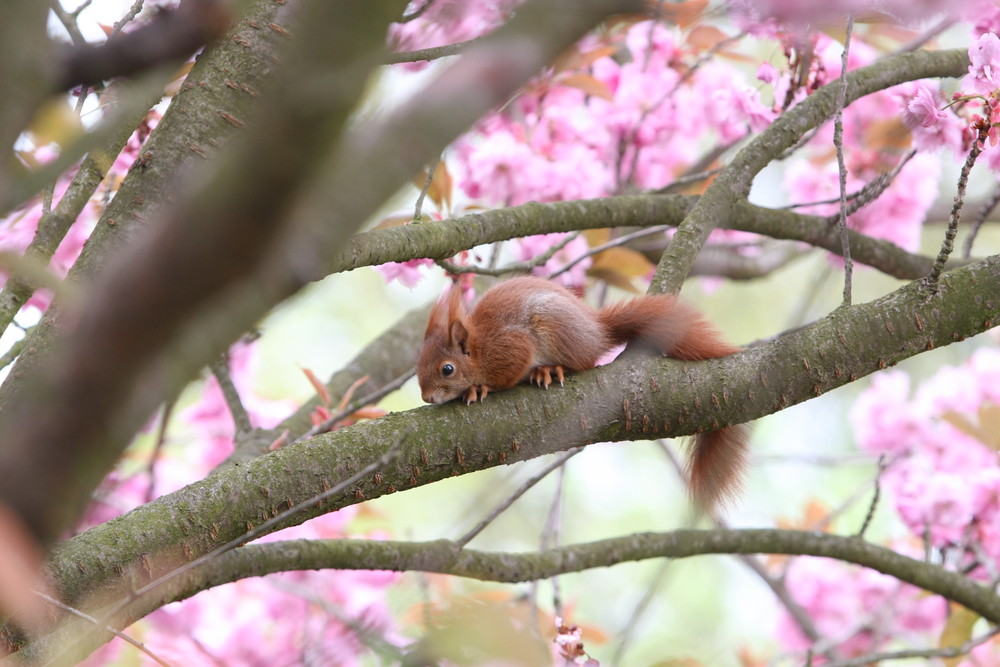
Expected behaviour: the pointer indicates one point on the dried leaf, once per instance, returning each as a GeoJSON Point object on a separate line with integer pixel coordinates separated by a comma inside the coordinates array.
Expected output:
{"type": "Point", "coordinates": [596, 237]}
{"type": "Point", "coordinates": [628, 262]}
{"type": "Point", "coordinates": [957, 630]}
{"type": "Point", "coordinates": [704, 37]}
{"type": "Point", "coordinates": [613, 278]}
{"type": "Point", "coordinates": [887, 133]}
{"type": "Point", "coordinates": [987, 431]}
{"type": "Point", "coordinates": [681, 13]}
{"type": "Point", "coordinates": [589, 85]}
{"type": "Point", "coordinates": [574, 59]}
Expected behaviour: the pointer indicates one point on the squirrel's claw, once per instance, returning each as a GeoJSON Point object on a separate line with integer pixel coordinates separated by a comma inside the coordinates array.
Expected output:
{"type": "Point", "coordinates": [476, 392]}
{"type": "Point", "coordinates": [542, 375]}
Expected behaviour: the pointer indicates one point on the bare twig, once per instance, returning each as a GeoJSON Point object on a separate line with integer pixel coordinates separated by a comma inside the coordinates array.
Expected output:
{"type": "Point", "coordinates": [875, 497]}
{"type": "Point", "coordinates": [432, 53]}
{"type": "Point", "coordinates": [838, 142]}
{"type": "Point", "coordinates": [507, 502]}
{"type": "Point", "coordinates": [946, 652]}
{"type": "Point", "coordinates": [174, 35]}
{"type": "Point", "coordinates": [956, 210]}
{"type": "Point", "coordinates": [519, 267]}
{"type": "Point", "coordinates": [984, 213]}
{"type": "Point", "coordinates": [161, 439]}
{"type": "Point", "coordinates": [427, 184]}
{"type": "Point", "coordinates": [417, 13]}
{"type": "Point", "coordinates": [627, 632]}
{"type": "Point", "coordinates": [107, 628]}
{"type": "Point", "coordinates": [928, 35]}
{"type": "Point", "coordinates": [130, 15]}
{"type": "Point", "coordinates": [621, 240]}
{"type": "Point", "coordinates": [241, 418]}
{"type": "Point", "coordinates": [550, 535]}
{"type": "Point", "coordinates": [256, 532]}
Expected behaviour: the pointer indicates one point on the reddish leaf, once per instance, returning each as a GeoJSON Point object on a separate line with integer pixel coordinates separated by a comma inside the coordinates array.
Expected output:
{"type": "Point", "coordinates": [321, 391]}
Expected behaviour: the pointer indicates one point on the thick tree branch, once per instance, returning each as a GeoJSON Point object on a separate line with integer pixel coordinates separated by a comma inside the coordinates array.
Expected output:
{"type": "Point", "coordinates": [448, 557]}
{"type": "Point", "coordinates": [440, 240]}
{"type": "Point", "coordinates": [733, 183]}
{"type": "Point", "coordinates": [633, 399]}
{"type": "Point", "coordinates": [173, 35]}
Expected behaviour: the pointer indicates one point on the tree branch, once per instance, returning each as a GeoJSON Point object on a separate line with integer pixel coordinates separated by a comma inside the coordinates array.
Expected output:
{"type": "Point", "coordinates": [733, 183]}
{"type": "Point", "coordinates": [623, 401]}
{"type": "Point", "coordinates": [172, 36]}
{"type": "Point", "coordinates": [440, 240]}
{"type": "Point", "coordinates": [448, 557]}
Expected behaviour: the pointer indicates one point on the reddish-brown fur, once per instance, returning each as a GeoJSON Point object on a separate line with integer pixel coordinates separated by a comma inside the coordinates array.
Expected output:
{"type": "Point", "coordinates": [529, 328]}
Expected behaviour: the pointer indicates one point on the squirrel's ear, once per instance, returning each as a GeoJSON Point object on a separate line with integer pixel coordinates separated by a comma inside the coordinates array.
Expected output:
{"type": "Point", "coordinates": [458, 335]}
{"type": "Point", "coordinates": [438, 320]}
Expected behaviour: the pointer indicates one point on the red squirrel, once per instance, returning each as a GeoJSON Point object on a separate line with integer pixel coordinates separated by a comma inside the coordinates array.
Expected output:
{"type": "Point", "coordinates": [531, 329]}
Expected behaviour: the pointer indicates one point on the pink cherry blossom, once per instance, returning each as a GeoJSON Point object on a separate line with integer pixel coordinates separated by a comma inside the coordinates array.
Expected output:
{"type": "Point", "coordinates": [984, 70]}
{"type": "Point", "coordinates": [408, 273]}
{"type": "Point", "coordinates": [931, 126]}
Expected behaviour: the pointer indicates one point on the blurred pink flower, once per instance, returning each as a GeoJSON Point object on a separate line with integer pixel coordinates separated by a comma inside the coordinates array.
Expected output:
{"type": "Point", "coordinates": [932, 127]}
{"type": "Point", "coordinates": [984, 70]}
{"type": "Point", "coordinates": [407, 273]}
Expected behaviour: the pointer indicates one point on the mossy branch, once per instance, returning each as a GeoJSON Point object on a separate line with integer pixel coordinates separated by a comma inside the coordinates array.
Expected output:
{"type": "Point", "coordinates": [633, 399]}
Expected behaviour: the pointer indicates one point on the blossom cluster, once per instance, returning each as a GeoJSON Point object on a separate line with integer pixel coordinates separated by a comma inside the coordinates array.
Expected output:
{"type": "Point", "coordinates": [942, 479]}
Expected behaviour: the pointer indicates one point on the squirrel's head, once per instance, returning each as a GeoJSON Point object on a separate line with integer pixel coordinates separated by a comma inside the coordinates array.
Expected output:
{"type": "Point", "coordinates": [443, 368]}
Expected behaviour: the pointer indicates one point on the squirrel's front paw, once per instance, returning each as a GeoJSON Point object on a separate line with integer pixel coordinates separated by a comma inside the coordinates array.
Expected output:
{"type": "Point", "coordinates": [476, 392]}
{"type": "Point", "coordinates": [542, 375]}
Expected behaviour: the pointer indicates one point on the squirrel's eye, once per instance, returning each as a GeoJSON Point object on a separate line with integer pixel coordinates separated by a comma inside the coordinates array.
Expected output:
{"type": "Point", "coordinates": [447, 370]}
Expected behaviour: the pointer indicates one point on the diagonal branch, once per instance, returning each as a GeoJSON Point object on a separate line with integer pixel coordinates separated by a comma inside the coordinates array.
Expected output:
{"type": "Point", "coordinates": [733, 183]}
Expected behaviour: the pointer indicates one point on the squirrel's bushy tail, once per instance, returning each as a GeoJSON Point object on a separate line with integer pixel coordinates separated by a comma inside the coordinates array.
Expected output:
{"type": "Point", "coordinates": [717, 458]}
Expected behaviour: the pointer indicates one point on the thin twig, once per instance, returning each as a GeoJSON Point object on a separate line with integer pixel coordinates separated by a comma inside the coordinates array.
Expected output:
{"type": "Point", "coordinates": [252, 534]}
{"type": "Point", "coordinates": [427, 184]}
{"type": "Point", "coordinates": [984, 213]}
{"type": "Point", "coordinates": [241, 418]}
{"type": "Point", "coordinates": [776, 584]}
{"type": "Point", "coordinates": [956, 210]}
{"type": "Point", "coordinates": [627, 632]}
{"type": "Point", "coordinates": [621, 240]}
{"type": "Point", "coordinates": [550, 535]}
{"type": "Point", "coordinates": [906, 654]}
{"type": "Point", "coordinates": [927, 36]}
{"type": "Point", "coordinates": [370, 637]}
{"type": "Point", "coordinates": [875, 497]}
{"type": "Point", "coordinates": [355, 405]}
{"type": "Point", "coordinates": [838, 142]}
{"type": "Point", "coordinates": [128, 18]}
{"type": "Point", "coordinates": [107, 628]}
{"type": "Point", "coordinates": [161, 439]}
{"type": "Point", "coordinates": [683, 181]}
{"type": "Point", "coordinates": [519, 267]}
{"type": "Point", "coordinates": [417, 13]}
{"type": "Point", "coordinates": [864, 195]}
{"type": "Point", "coordinates": [432, 53]}
{"type": "Point", "coordinates": [507, 502]}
